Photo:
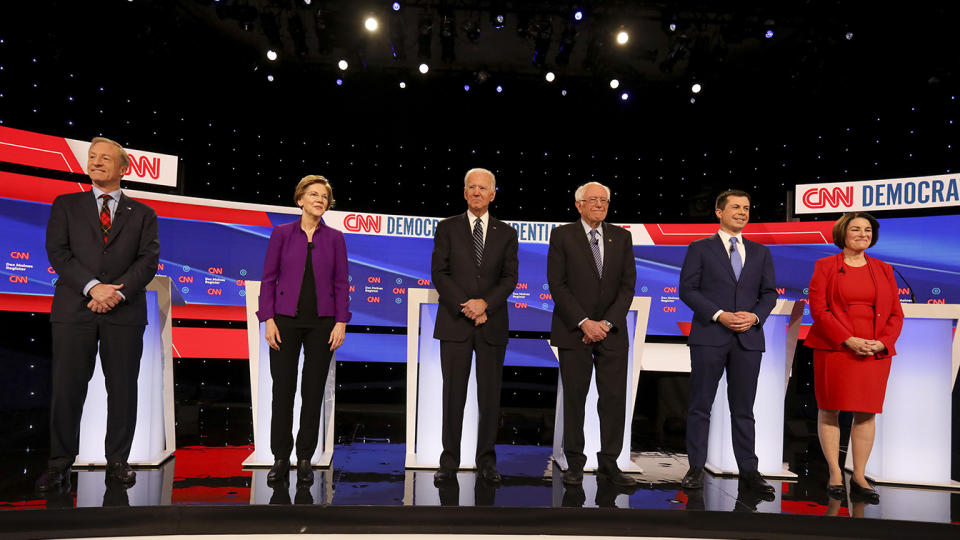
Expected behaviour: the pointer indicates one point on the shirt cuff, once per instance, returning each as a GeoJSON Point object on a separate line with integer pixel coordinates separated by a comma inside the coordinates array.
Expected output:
{"type": "Point", "coordinates": [717, 315]}
{"type": "Point", "coordinates": [122, 296]}
{"type": "Point", "coordinates": [581, 322]}
{"type": "Point", "coordinates": [90, 284]}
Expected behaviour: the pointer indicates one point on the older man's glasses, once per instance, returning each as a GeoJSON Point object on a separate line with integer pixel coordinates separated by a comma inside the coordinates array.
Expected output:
{"type": "Point", "coordinates": [602, 201]}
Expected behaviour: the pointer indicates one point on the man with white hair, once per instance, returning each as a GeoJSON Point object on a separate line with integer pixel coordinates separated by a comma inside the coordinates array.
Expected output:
{"type": "Point", "coordinates": [474, 269]}
{"type": "Point", "coordinates": [592, 275]}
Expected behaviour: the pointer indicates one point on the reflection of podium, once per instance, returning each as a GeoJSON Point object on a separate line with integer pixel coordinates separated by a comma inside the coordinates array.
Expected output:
{"type": "Point", "coordinates": [155, 436]}
{"type": "Point", "coordinates": [912, 444]}
{"type": "Point", "coordinates": [637, 319]}
{"type": "Point", "coordinates": [780, 331]}
{"type": "Point", "coordinates": [424, 389]}
{"type": "Point", "coordinates": [261, 393]}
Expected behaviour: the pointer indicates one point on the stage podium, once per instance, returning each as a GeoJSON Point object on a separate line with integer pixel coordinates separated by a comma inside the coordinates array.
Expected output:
{"type": "Point", "coordinates": [912, 444]}
{"type": "Point", "coordinates": [780, 331]}
{"type": "Point", "coordinates": [261, 393]}
{"type": "Point", "coordinates": [637, 318]}
{"type": "Point", "coordinates": [155, 436]}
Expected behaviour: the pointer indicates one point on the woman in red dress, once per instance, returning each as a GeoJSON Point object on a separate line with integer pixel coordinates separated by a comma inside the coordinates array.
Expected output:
{"type": "Point", "coordinates": [857, 318]}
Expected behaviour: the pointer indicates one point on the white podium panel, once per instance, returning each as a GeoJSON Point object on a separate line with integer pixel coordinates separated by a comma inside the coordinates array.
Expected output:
{"type": "Point", "coordinates": [780, 330]}
{"type": "Point", "coordinates": [425, 389]}
{"type": "Point", "coordinates": [155, 437]}
{"type": "Point", "coordinates": [637, 319]}
{"type": "Point", "coordinates": [912, 444]}
{"type": "Point", "coordinates": [261, 394]}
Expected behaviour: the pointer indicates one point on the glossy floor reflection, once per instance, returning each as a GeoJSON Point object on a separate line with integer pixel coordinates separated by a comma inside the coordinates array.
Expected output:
{"type": "Point", "coordinates": [370, 474]}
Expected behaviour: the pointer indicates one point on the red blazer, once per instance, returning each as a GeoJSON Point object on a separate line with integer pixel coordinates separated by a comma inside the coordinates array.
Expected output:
{"type": "Point", "coordinates": [831, 324]}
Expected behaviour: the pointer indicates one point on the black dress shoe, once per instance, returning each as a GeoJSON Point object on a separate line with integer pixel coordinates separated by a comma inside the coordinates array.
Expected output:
{"type": "Point", "coordinates": [443, 476]}
{"type": "Point", "coordinates": [54, 479]}
{"type": "Point", "coordinates": [838, 492]}
{"type": "Point", "coordinates": [859, 493]}
{"type": "Point", "coordinates": [752, 481]}
{"type": "Point", "coordinates": [617, 478]}
{"type": "Point", "coordinates": [693, 479]}
{"type": "Point", "coordinates": [304, 473]}
{"type": "Point", "coordinates": [279, 473]}
{"type": "Point", "coordinates": [121, 472]}
{"type": "Point", "coordinates": [490, 474]}
{"type": "Point", "coordinates": [573, 477]}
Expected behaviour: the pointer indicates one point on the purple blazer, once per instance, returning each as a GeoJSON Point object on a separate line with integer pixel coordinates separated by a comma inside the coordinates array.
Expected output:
{"type": "Point", "coordinates": [283, 272]}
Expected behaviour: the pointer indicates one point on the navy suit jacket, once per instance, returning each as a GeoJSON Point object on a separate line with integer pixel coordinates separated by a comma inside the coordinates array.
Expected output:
{"type": "Point", "coordinates": [707, 284]}
{"type": "Point", "coordinates": [77, 253]}
{"type": "Point", "coordinates": [457, 278]}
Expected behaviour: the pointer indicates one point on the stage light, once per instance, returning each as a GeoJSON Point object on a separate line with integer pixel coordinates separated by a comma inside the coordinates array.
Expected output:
{"type": "Point", "coordinates": [343, 65]}
{"type": "Point", "coordinates": [499, 89]}
{"type": "Point", "coordinates": [578, 15]}
{"type": "Point", "coordinates": [696, 88]}
{"type": "Point", "coordinates": [424, 68]}
{"type": "Point", "coordinates": [550, 76]}
{"type": "Point", "coordinates": [270, 78]}
{"type": "Point", "coordinates": [672, 27]}
{"type": "Point", "coordinates": [339, 82]}
{"type": "Point", "coordinates": [849, 36]}
{"type": "Point", "coordinates": [768, 34]}
{"type": "Point", "coordinates": [624, 96]}
{"type": "Point", "coordinates": [403, 84]}
{"type": "Point", "coordinates": [308, 2]}
{"type": "Point", "coordinates": [371, 24]}
{"type": "Point", "coordinates": [396, 6]}
{"type": "Point", "coordinates": [497, 14]}
{"type": "Point", "coordinates": [466, 88]}
{"type": "Point", "coordinates": [623, 37]}
{"type": "Point", "coordinates": [563, 92]}
{"type": "Point", "coordinates": [614, 83]}
{"type": "Point", "coordinates": [271, 55]}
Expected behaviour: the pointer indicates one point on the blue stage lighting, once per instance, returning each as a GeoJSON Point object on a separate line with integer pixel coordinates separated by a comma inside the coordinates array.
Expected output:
{"type": "Point", "coordinates": [396, 6]}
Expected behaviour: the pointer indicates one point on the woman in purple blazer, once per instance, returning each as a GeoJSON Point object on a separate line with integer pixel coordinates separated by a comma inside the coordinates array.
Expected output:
{"type": "Point", "coordinates": [303, 302]}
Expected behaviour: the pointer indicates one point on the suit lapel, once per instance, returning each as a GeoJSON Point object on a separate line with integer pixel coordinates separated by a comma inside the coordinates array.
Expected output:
{"type": "Point", "coordinates": [120, 217]}
{"type": "Point", "coordinates": [720, 251]}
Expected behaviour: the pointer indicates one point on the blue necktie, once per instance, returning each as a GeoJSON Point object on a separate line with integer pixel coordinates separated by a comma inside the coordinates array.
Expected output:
{"type": "Point", "coordinates": [735, 261]}
{"type": "Point", "coordinates": [595, 247]}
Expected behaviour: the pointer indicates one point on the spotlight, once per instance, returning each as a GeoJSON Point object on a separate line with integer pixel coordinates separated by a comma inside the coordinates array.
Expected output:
{"type": "Point", "coordinates": [550, 76]}
{"type": "Point", "coordinates": [768, 34]}
{"type": "Point", "coordinates": [849, 36]}
{"type": "Point", "coordinates": [614, 83]}
{"type": "Point", "coordinates": [307, 2]}
{"type": "Point", "coordinates": [396, 6]}
{"type": "Point", "coordinates": [672, 27]}
{"type": "Point", "coordinates": [424, 68]}
{"type": "Point", "coordinates": [466, 88]}
{"type": "Point", "coordinates": [499, 89]}
{"type": "Point", "coordinates": [371, 24]}
{"type": "Point", "coordinates": [402, 84]}
{"type": "Point", "coordinates": [578, 15]}
{"type": "Point", "coordinates": [563, 92]}
{"type": "Point", "coordinates": [623, 37]}
{"type": "Point", "coordinates": [339, 82]}
{"type": "Point", "coordinates": [696, 88]}
{"type": "Point", "coordinates": [271, 55]}
{"type": "Point", "coordinates": [624, 96]}
{"type": "Point", "coordinates": [497, 14]}
{"type": "Point", "coordinates": [270, 78]}
{"type": "Point", "coordinates": [343, 65]}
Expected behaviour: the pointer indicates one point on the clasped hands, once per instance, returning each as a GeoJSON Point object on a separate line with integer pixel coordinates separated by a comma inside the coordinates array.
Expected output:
{"type": "Point", "coordinates": [476, 310]}
{"type": "Point", "coordinates": [740, 321]}
{"type": "Point", "coordinates": [593, 331]}
{"type": "Point", "coordinates": [864, 347]}
{"type": "Point", "coordinates": [104, 297]}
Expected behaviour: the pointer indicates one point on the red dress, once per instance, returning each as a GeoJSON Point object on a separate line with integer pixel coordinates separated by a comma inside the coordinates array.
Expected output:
{"type": "Point", "coordinates": [844, 380]}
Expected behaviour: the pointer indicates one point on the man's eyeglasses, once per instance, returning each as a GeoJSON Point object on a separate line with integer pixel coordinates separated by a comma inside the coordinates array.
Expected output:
{"type": "Point", "coordinates": [596, 200]}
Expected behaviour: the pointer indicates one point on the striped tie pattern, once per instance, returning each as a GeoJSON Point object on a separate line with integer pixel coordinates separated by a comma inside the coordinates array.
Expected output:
{"type": "Point", "coordinates": [735, 261]}
{"type": "Point", "coordinates": [105, 217]}
{"type": "Point", "coordinates": [595, 247]}
{"type": "Point", "coordinates": [478, 241]}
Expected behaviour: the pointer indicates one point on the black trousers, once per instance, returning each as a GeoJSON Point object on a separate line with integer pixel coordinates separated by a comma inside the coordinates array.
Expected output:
{"type": "Point", "coordinates": [73, 362]}
{"type": "Point", "coordinates": [576, 366]}
{"type": "Point", "coordinates": [283, 369]}
{"type": "Point", "coordinates": [455, 359]}
{"type": "Point", "coordinates": [706, 367]}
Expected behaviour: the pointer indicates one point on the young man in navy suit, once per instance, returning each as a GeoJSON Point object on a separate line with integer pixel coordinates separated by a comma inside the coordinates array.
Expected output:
{"type": "Point", "coordinates": [104, 248]}
{"type": "Point", "coordinates": [728, 282]}
{"type": "Point", "coordinates": [474, 268]}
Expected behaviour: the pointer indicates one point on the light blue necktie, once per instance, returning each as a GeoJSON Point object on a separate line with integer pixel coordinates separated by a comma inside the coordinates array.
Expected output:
{"type": "Point", "coordinates": [735, 261]}
{"type": "Point", "coordinates": [595, 247]}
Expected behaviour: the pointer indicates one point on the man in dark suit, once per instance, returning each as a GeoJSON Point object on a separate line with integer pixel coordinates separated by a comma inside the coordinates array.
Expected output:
{"type": "Point", "coordinates": [592, 275]}
{"type": "Point", "coordinates": [104, 248]}
{"type": "Point", "coordinates": [729, 284]}
{"type": "Point", "coordinates": [474, 269]}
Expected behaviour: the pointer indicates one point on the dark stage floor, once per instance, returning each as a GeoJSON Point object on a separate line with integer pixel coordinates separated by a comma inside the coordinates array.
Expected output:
{"type": "Point", "coordinates": [373, 475]}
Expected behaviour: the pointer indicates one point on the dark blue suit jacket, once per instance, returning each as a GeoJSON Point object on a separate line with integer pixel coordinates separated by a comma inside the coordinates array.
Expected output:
{"type": "Point", "coordinates": [707, 284]}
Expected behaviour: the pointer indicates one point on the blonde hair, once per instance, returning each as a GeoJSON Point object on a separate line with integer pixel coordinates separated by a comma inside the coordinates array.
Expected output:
{"type": "Point", "coordinates": [124, 158]}
{"type": "Point", "coordinates": [310, 180]}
